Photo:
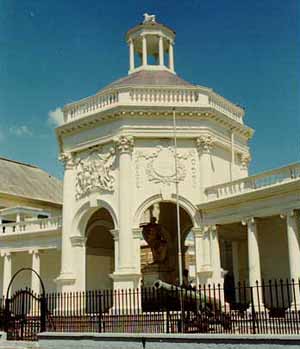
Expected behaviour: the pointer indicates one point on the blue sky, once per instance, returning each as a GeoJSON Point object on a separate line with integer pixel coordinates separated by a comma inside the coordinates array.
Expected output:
{"type": "Point", "coordinates": [54, 52]}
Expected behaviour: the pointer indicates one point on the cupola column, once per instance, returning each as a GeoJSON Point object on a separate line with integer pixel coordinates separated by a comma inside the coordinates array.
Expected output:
{"type": "Point", "coordinates": [144, 43]}
{"type": "Point", "coordinates": [131, 55]}
{"type": "Point", "coordinates": [161, 50]}
{"type": "Point", "coordinates": [171, 56]}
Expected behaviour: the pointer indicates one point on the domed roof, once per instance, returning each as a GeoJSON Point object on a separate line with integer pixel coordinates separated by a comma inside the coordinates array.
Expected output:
{"type": "Point", "coordinates": [149, 78]}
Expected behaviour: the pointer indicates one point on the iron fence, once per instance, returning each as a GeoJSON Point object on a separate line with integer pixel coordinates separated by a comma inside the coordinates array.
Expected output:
{"type": "Point", "coordinates": [271, 307]}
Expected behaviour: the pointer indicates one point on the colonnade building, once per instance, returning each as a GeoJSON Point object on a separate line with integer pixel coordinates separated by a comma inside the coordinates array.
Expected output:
{"type": "Point", "coordinates": [120, 172]}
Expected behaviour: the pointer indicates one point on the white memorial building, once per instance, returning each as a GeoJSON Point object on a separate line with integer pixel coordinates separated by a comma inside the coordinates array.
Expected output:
{"type": "Point", "coordinates": [120, 173]}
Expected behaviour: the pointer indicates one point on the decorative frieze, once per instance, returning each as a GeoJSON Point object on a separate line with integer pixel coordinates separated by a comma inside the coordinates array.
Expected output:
{"type": "Point", "coordinates": [125, 143]}
{"type": "Point", "coordinates": [204, 144]}
{"type": "Point", "coordinates": [94, 171]}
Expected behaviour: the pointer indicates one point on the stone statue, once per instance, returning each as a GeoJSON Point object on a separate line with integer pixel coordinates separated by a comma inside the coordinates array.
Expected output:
{"type": "Point", "coordinates": [153, 235]}
{"type": "Point", "coordinates": [149, 18]}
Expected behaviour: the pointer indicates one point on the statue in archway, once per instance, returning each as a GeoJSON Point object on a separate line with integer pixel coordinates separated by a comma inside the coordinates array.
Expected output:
{"type": "Point", "coordinates": [153, 235]}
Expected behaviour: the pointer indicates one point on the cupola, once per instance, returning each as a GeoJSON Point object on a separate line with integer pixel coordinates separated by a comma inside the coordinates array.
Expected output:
{"type": "Point", "coordinates": [151, 46]}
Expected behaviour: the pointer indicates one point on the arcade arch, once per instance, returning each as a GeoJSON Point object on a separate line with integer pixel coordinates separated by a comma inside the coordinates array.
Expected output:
{"type": "Point", "coordinates": [161, 242]}
{"type": "Point", "coordinates": [100, 261]}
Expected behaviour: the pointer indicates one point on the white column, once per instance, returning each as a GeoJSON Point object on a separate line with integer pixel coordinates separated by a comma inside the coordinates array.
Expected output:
{"type": "Point", "coordinates": [215, 255]}
{"type": "Point", "coordinates": [35, 282]}
{"type": "Point", "coordinates": [292, 221]}
{"type": "Point", "coordinates": [204, 146]}
{"type": "Point", "coordinates": [131, 55]}
{"type": "Point", "coordinates": [67, 275]}
{"type": "Point", "coordinates": [254, 261]}
{"type": "Point", "coordinates": [161, 50]}
{"type": "Point", "coordinates": [7, 271]}
{"type": "Point", "coordinates": [293, 231]}
{"type": "Point", "coordinates": [235, 265]}
{"type": "Point", "coordinates": [137, 234]}
{"type": "Point", "coordinates": [171, 56]}
{"type": "Point", "coordinates": [144, 43]}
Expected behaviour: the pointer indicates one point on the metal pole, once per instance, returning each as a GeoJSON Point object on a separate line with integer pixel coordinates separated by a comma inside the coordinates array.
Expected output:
{"type": "Point", "coordinates": [177, 203]}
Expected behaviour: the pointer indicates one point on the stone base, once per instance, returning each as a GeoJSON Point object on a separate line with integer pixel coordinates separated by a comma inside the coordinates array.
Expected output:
{"type": "Point", "coordinates": [154, 272]}
{"type": "Point", "coordinates": [65, 282]}
{"type": "Point", "coordinates": [126, 280]}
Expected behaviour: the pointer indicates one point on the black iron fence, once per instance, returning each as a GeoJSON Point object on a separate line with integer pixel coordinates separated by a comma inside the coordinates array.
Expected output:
{"type": "Point", "coordinates": [272, 307]}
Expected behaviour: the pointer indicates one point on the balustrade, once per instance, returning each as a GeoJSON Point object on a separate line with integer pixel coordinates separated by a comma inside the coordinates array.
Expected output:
{"type": "Point", "coordinates": [31, 226]}
{"type": "Point", "coordinates": [256, 182]}
{"type": "Point", "coordinates": [147, 96]}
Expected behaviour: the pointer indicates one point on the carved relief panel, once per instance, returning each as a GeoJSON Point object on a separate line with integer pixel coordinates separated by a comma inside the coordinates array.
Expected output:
{"type": "Point", "coordinates": [158, 166]}
{"type": "Point", "coordinates": [94, 171]}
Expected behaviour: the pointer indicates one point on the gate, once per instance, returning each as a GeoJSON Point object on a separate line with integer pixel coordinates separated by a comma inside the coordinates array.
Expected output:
{"type": "Point", "coordinates": [25, 312]}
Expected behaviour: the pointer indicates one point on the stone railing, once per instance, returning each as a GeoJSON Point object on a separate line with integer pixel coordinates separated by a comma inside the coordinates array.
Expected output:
{"type": "Point", "coordinates": [252, 183]}
{"type": "Point", "coordinates": [145, 96]}
{"type": "Point", "coordinates": [39, 225]}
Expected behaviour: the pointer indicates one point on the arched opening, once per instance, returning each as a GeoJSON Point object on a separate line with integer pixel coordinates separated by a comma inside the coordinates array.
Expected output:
{"type": "Point", "coordinates": [99, 250]}
{"type": "Point", "coordinates": [160, 246]}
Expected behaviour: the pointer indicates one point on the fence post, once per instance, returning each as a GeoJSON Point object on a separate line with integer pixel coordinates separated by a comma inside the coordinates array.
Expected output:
{"type": "Point", "coordinates": [100, 310]}
{"type": "Point", "coordinates": [6, 315]}
{"type": "Point", "coordinates": [43, 313]}
{"type": "Point", "coordinates": [253, 317]}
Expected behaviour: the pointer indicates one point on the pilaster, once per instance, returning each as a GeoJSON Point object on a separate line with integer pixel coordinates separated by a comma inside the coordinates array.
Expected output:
{"type": "Point", "coordinates": [67, 275]}
{"type": "Point", "coordinates": [78, 244]}
{"type": "Point", "coordinates": [204, 146]}
{"type": "Point", "coordinates": [125, 146]}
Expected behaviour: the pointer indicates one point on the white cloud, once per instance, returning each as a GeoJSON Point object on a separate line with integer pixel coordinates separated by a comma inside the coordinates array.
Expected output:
{"type": "Point", "coordinates": [55, 117]}
{"type": "Point", "coordinates": [22, 130]}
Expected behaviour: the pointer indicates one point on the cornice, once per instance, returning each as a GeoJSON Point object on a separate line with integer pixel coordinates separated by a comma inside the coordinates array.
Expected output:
{"type": "Point", "coordinates": [120, 112]}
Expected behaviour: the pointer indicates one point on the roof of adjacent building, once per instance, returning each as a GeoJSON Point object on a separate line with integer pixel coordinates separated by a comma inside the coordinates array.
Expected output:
{"type": "Point", "coordinates": [150, 78]}
{"type": "Point", "coordinates": [25, 180]}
